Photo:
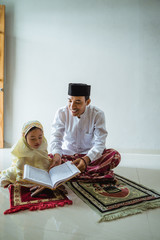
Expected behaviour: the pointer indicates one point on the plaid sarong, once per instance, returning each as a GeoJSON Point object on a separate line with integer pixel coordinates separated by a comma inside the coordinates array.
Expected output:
{"type": "Point", "coordinates": [99, 169]}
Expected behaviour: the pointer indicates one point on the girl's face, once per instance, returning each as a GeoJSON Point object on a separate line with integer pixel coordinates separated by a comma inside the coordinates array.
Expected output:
{"type": "Point", "coordinates": [34, 138]}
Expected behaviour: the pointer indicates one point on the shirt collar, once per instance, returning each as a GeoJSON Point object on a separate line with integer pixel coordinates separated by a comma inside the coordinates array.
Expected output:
{"type": "Point", "coordinates": [84, 114]}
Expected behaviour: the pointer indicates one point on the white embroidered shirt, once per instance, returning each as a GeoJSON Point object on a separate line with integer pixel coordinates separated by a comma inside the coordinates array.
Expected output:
{"type": "Point", "coordinates": [86, 135]}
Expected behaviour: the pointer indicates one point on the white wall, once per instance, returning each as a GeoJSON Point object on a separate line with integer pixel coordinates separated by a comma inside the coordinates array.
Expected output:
{"type": "Point", "coordinates": [112, 45]}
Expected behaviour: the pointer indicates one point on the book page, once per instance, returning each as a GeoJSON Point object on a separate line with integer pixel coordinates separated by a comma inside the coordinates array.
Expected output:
{"type": "Point", "coordinates": [63, 172]}
{"type": "Point", "coordinates": [37, 175]}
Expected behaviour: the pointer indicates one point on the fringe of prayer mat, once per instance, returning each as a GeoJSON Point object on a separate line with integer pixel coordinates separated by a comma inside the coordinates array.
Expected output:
{"type": "Point", "coordinates": [20, 199]}
{"type": "Point", "coordinates": [38, 206]}
{"type": "Point", "coordinates": [130, 211]}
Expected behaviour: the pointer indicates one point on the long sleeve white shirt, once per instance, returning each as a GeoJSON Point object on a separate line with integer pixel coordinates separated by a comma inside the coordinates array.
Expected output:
{"type": "Point", "coordinates": [85, 135]}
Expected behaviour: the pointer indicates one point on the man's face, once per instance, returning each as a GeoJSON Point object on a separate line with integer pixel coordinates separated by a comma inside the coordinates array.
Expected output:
{"type": "Point", "coordinates": [77, 105]}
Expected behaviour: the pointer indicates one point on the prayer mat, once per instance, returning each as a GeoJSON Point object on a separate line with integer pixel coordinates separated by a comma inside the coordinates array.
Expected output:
{"type": "Point", "coordinates": [116, 201]}
{"type": "Point", "coordinates": [20, 199]}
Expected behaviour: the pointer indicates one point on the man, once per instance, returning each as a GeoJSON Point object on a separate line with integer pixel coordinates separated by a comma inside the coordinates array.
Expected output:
{"type": "Point", "coordinates": [78, 133]}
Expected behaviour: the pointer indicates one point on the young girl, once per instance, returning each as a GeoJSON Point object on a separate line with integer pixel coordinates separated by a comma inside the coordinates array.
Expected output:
{"type": "Point", "coordinates": [31, 149]}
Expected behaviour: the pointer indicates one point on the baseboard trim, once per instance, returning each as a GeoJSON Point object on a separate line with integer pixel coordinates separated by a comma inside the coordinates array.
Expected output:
{"type": "Point", "coordinates": [132, 160]}
{"type": "Point", "coordinates": [149, 161]}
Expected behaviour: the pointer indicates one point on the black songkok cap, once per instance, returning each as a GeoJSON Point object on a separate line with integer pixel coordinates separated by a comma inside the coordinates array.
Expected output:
{"type": "Point", "coordinates": [79, 89]}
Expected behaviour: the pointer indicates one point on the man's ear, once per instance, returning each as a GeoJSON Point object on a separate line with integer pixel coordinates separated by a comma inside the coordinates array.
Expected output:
{"type": "Point", "coordinates": [88, 101]}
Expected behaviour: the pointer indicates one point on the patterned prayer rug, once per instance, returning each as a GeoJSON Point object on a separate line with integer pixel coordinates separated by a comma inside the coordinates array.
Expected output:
{"type": "Point", "coordinates": [20, 199]}
{"type": "Point", "coordinates": [116, 201]}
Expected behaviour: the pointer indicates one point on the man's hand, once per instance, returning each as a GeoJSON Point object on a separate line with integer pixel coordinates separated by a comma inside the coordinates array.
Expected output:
{"type": "Point", "coordinates": [80, 163]}
{"type": "Point", "coordinates": [55, 161]}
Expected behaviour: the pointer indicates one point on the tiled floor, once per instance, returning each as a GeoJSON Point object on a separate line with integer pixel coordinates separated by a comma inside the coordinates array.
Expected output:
{"type": "Point", "coordinates": [78, 221]}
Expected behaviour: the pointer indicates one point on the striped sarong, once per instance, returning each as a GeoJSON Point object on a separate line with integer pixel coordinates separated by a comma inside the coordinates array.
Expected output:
{"type": "Point", "coordinates": [99, 169]}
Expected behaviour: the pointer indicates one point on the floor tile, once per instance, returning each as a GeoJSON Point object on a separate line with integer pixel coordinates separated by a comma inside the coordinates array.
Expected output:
{"type": "Point", "coordinates": [79, 221]}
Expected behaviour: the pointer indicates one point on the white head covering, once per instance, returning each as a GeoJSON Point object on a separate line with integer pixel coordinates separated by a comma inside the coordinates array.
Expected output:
{"type": "Point", "coordinates": [29, 125]}
{"type": "Point", "coordinates": [34, 157]}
